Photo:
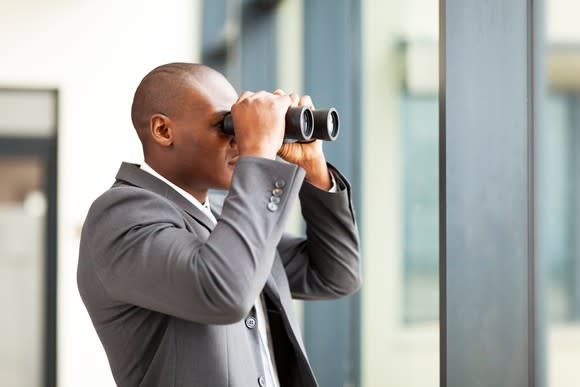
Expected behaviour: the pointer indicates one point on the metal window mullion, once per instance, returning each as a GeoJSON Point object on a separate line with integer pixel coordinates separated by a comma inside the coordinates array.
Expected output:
{"type": "Point", "coordinates": [489, 82]}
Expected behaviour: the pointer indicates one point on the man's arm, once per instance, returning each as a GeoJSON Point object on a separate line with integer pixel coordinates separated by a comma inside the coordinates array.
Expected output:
{"type": "Point", "coordinates": [325, 264]}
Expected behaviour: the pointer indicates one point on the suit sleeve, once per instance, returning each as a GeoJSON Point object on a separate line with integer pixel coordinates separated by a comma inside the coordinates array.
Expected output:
{"type": "Point", "coordinates": [325, 264]}
{"type": "Point", "coordinates": [138, 245]}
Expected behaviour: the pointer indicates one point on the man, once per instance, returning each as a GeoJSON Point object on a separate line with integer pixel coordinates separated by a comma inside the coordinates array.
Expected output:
{"type": "Point", "coordinates": [180, 296]}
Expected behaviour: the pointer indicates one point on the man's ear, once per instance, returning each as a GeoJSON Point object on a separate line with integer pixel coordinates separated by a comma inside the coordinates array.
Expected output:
{"type": "Point", "coordinates": [161, 130]}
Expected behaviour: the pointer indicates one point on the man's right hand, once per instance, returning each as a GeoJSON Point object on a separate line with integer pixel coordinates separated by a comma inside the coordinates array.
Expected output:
{"type": "Point", "coordinates": [259, 122]}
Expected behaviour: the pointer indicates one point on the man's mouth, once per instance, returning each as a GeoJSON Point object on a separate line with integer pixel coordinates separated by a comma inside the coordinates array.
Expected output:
{"type": "Point", "coordinates": [232, 162]}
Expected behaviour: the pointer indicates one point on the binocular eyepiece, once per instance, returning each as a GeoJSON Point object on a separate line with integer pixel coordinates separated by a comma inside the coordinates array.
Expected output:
{"type": "Point", "coordinates": [302, 124]}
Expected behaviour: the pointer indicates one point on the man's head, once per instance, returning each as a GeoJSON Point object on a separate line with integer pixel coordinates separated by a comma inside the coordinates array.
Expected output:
{"type": "Point", "coordinates": [176, 111]}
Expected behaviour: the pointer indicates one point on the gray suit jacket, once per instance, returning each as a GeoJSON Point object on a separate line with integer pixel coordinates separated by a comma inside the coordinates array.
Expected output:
{"type": "Point", "coordinates": [170, 295]}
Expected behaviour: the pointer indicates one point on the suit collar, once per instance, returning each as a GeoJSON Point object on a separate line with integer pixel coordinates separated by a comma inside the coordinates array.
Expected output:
{"type": "Point", "coordinates": [132, 174]}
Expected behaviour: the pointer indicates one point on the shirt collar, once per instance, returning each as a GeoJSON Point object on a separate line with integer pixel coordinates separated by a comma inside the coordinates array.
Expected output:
{"type": "Point", "coordinates": [202, 206]}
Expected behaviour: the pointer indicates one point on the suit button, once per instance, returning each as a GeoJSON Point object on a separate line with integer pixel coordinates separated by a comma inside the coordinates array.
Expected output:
{"type": "Point", "coordinates": [251, 322]}
{"type": "Point", "coordinates": [261, 381]}
{"type": "Point", "coordinates": [281, 183]}
{"type": "Point", "coordinates": [277, 192]}
{"type": "Point", "coordinates": [272, 206]}
{"type": "Point", "coordinates": [274, 199]}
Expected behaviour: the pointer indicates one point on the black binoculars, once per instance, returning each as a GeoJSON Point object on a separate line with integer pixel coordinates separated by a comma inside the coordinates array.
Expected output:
{"type": "Point", "coordinates": [302, 124]}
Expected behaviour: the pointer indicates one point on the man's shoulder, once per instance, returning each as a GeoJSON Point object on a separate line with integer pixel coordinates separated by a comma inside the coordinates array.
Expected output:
{"type": "Point", "coordinates": [123, 191]}
{"type": "Point", "coordinates": [128, 201]}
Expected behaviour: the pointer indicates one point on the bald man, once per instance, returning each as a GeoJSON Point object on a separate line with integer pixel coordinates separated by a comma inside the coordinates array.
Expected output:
{"type": "Point", "coordinates": [184, 292]}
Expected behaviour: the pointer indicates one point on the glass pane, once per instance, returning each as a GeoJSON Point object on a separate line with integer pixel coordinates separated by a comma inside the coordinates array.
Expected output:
{"type": "Point", "coordinates": [558, 196]}
{"type": "Point", "coordinates": [400, 313]}
{"type": "Point", "coordinates": [420, 209]}
{"type": "Point", "coordinates": [22, 222]}
{"type": "Point", "coordinates": [27, 113]}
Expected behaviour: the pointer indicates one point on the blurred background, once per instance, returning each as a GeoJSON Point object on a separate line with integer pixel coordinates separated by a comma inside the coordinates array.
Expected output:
{"type": "Point", "coordinates": [68, 71]}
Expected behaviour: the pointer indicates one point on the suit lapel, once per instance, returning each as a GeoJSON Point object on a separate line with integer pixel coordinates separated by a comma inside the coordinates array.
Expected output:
{"type": "Point", "coordinates": [288, 327]}
{"type": "Point", "coordinates": [133, 175]}
{"type": "Point", "coordinates": [192, 210]}
{"type": "Point", "coordinates": [272, 291]}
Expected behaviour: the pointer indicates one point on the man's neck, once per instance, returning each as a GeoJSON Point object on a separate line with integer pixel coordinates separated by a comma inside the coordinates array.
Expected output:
{"type": "Point", "coordinates": [200, 196]}
{"type": "Point", "coordinates": [179, 188]}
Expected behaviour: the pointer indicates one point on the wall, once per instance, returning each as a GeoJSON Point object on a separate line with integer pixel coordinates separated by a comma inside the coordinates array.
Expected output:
{"type": "Point", "coordinates": [95, 53]}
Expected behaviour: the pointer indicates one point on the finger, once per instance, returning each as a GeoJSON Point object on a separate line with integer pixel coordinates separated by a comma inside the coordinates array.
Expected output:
{"type": "Point", "coordinates": [262, 95]}
{"type": "Point", "coordinates": [295, 98]}
{"type": "Point", "coordinates": [286, 100]}
{"type": "Point", "coordinates": [305, 100]}
{"type": "Point", "coordinates": [279, 92]}
{"type": "Point", "coordinates": [284, 150]}
{"type": "Point", "coordinates": [244, 95]}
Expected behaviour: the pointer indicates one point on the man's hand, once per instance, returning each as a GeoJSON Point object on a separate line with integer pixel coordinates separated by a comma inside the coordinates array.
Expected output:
{"type": "Point", "coordinates": [259, 122]}
{"type": "Point", "coordinates": [309, 156]}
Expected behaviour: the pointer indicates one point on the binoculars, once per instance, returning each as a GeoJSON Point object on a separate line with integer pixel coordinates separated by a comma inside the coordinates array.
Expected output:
{"type": "Point", "coordinates": [302, 124]}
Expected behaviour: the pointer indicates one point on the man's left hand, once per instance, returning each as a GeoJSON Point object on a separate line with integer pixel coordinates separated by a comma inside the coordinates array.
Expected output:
{"type": "Point", "coordinates": [308, 155]}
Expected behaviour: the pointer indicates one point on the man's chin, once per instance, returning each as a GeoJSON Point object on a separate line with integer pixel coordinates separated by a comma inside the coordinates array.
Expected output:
{"type": "Point", "coordinates": [227, 182]}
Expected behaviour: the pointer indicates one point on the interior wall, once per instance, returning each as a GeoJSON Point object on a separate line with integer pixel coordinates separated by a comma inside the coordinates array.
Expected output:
{"type": "Point", "coordinates": [95, 53]}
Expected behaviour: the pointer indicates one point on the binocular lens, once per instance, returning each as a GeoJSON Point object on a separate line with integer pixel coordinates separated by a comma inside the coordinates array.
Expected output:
{"type": "Point", "coordinates": [332, 124]}
{"type": "Point", "coordinates": [326, 124]}
{"type": "Point", "coordinates": [307, 122]}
